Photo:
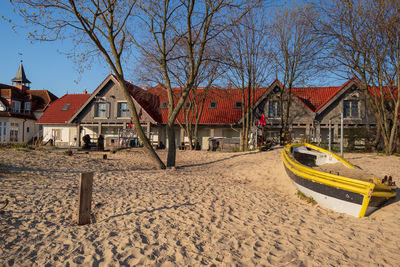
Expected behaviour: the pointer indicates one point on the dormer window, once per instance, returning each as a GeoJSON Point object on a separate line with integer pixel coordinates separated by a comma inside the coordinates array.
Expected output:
{"type": "Point", "coordinates": [238, 104]}
{"type": "Point", "coordinates": [187, 105]}
{"type": "Point", "coordinates": [213, 105]}
{"type": "Point", "coordinates": [66, 107]}
{"type": "Point", "coordinates": [164, 104]}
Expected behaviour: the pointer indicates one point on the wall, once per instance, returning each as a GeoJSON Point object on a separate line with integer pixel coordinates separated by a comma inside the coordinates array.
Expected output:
{"type": "Point", "coordinates": [67, 134]}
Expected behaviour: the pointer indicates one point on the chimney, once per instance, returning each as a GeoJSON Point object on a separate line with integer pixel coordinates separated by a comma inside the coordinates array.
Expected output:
{"type": "Point", "coordinates": [84, 92]}
{"type": "Point", "coordinates": [229, 86]}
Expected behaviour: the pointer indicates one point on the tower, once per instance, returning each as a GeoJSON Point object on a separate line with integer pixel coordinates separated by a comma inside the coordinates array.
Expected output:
{"type": "Point", "coordinates": [20, 81]}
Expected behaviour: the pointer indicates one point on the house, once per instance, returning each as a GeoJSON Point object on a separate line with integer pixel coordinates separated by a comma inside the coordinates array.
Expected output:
{"type": "Point", "coordinates": [105, 112]}
{"type": "Point", "coordinates": [313, 109]}
{"type": "Point", "coordinates": [221, 116]}
{"type": "Point", "coordinates": [55, 120]}
{"type": "Point", "coordinates": [20, 107]}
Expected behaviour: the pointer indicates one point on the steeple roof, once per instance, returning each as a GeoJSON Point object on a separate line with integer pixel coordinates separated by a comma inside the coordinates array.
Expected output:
{"type": "Point", "coordinates": [21, 77]}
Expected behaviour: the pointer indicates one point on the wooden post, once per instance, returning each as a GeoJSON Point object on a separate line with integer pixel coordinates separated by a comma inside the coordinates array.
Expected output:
{"type": "Point", "coordinates": [85, 198]}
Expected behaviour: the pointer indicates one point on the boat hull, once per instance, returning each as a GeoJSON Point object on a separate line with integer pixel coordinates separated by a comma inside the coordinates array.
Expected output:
{"type": "Point", "coordinates": [342, 194]}
{"type": "Point", "coordinates": [337, 199]}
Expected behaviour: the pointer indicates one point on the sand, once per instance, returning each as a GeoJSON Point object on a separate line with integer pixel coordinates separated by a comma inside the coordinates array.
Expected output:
{"type": "Point", "coordinates": [214, 209]}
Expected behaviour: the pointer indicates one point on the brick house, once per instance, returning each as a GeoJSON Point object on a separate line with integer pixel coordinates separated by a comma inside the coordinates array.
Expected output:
{"type": "Point", "coordinates": [20, 107]}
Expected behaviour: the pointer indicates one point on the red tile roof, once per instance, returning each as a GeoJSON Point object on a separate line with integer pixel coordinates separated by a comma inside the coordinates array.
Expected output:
{"type": "Point", "coordinates": [315, 97]}
{"type": "Point", "coordinates": [148, 101]}
{"type": "Point", "coordinates": [224, 112]}
{"type": "Point", "coordinates": [55, 113]}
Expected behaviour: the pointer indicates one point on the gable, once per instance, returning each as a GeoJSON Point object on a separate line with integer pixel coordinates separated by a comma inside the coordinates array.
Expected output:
{"type": "Point", "coordinates": [110, 94]}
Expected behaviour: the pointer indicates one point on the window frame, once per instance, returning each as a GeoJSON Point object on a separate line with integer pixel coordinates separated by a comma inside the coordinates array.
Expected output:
{"type": "Point", "coordinates": [274, 109]}
{"type": "Point", "coordinates": [348, 108]}
{"type": "Point", "coordinates": [238, 104]}
{"type": "Point", "coordinates": [121, 111]}
{"type": "Point", "coordinates": [13, 103]}
{"type": "Point", "coordinates": [29, 106]}
{"type": "Point", "coordinates": [57, 136]}
{"type": "Point", "coordinates": [66, 107]}
{"type": "Point", "coordinates": [213, 105]}
{"type": "Point", "coordinates": [164, 105]}
{"type": "Point", "coordinates": [97, 110]}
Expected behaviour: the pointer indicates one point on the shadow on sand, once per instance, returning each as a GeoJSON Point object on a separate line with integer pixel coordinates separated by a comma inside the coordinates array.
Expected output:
{"type": "Point", "coordinates": [230, 157]}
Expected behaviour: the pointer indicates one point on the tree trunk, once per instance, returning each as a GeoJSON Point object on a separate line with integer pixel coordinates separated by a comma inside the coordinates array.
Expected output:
{"type": "Point", "coordinates": [171, 145]}
{"type": "Point", "coordinates": [138, 127]}
{"type": "Point", "coordinates": [377, 138]}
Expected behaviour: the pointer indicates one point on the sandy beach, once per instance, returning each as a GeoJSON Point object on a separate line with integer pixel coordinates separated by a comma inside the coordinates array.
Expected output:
{"type": "Point", "coordinates": [214, 209]}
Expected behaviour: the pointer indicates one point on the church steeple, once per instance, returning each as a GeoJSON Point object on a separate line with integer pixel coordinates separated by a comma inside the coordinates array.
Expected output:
{"type": "Point", "coordinates": [21, 79]}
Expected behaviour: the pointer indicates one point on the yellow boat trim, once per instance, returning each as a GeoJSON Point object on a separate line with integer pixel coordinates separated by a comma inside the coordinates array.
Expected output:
{"type": "Point", "coordinates": [368, 189]}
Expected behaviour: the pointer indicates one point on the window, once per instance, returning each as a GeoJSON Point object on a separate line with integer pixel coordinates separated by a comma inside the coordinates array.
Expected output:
{"type": "Point", "coordinates": [123, 109]}
{"type": "Point", "coordinates": [66, 107]}
{"type": "Point", "coordinates": [27, 129]}
{"type": "Point", "coordinates": [274, 109]}
{"type": "Point", "coordinates": [100, 110]}
{"type": "Point", "coordinates": [164, 105]}
{"type": "Point", "coordinates": [213, 105]}
{"type": "Point", "coordinates": [238, 104]}
{"type": "Point", "coordinates": [14, 127]}
{"type": "Point", "coordinates": [350, 109]}
{"type": "Point", "coordinates": [56, 134]}
{"type": "Point", "coordinates": [187, 104]}
{"type": "Point", "coordinates": [27, 106]}
{"type": "Point", "coordinates": [16, 106]}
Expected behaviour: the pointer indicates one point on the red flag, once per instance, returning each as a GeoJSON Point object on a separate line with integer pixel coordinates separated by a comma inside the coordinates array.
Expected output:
{"type": "Point", "coordinates": [140, 114]}
{"type": "Point", "coordinates": [262, 120]}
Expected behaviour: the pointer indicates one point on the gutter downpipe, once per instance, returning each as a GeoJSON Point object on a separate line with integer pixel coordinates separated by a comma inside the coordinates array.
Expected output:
{"type": "Point", "coordinates": [330, 135]}
{"type": "Point", "coordinates": [341, 134]}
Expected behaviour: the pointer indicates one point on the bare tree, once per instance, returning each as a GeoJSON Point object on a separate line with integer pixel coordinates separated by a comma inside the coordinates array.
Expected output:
{"type": "Point", "coordinates": [102, 27]}
{"type": "Point", "coordinates": [166, 24]}
{"type": "Point", "coordinates": [248, 62]}
{"type": "Point", "coordinates": [364, 38]}
{"type": "Point", "coordinates": [295, 52]}
{"type": "Point", "coordinates": [211, 71]}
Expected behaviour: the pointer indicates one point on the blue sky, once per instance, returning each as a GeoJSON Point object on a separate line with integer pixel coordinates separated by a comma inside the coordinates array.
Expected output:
{"type": "Point", "coordinates": [47, 68]}
{"type": "Point", "coordinates": [44, 66]}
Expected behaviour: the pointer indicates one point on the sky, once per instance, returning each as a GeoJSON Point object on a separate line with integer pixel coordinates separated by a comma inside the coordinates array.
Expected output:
{"type": "Point", "coordinates": [45, 66]}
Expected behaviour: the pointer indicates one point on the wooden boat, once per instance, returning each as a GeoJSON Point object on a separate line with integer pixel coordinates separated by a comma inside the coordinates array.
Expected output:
{"type": "Point", "coordinates": [345, 189]}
